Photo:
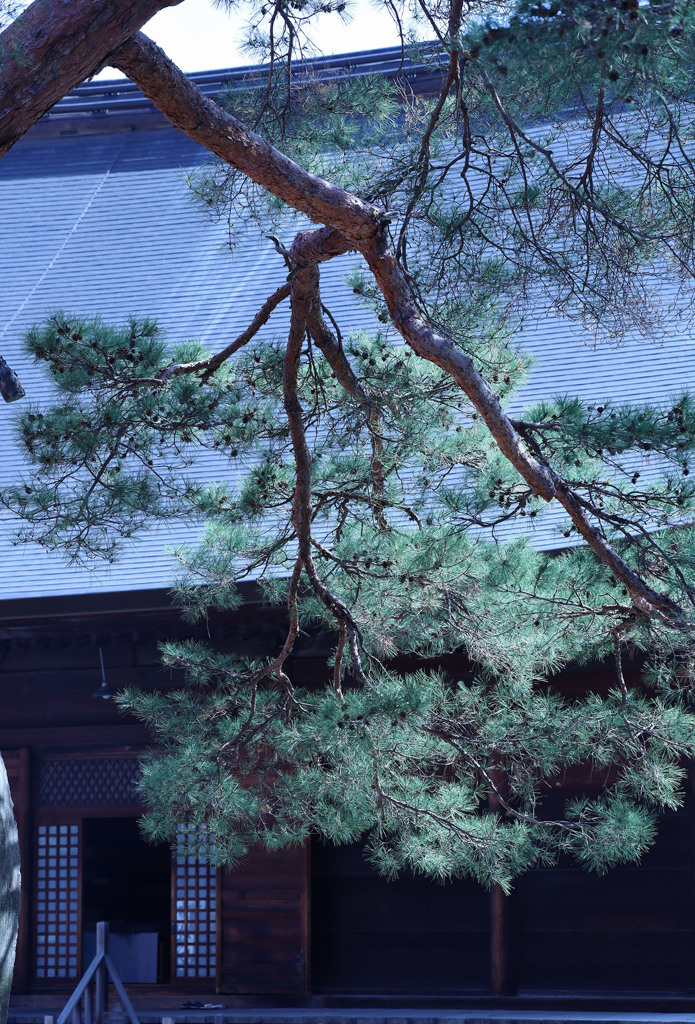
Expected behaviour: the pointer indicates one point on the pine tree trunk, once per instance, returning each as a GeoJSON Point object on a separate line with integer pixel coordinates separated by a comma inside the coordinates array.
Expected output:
{"type": "Point", "coordinates": [9, 890]}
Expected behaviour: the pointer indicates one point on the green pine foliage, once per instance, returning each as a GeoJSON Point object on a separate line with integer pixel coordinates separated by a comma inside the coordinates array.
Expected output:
{"type": "Point", "coordinates": [510, 197]}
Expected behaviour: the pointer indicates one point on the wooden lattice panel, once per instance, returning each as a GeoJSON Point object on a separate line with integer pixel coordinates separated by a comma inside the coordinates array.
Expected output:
{"type": "Point", "coordinates": [57, 901]}
{"type": "Point", "coordinates": [195, 907]}
{"type": "Point", "coordinates": [80, 782]}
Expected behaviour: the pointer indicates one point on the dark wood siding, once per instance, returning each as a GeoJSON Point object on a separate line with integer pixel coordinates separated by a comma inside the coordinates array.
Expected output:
{"type": "Point", "coordinates": [562, 931]}
{"type": "Point", "coordinates": [264, 924]}
{"type": "Point", "coordinates": [632, 930]}
{"type": "Point", "coordinates": [406, 936]}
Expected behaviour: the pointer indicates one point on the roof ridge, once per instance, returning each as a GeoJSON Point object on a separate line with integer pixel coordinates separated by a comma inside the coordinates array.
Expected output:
{"type": "Point", "coordinates": [118, 95]}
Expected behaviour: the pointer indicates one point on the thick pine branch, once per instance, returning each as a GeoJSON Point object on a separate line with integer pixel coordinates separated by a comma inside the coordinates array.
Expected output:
{"type": "Point", "coordinates": [304, 299]}
{"type": "Point", "coordinates": [52, 47]}
{"type": "Point", "coordinates": [352, 224]}
{"type": "Point", "coordinates": [185, 106]}
{"type": "Point", "coordinates": [541, 478]}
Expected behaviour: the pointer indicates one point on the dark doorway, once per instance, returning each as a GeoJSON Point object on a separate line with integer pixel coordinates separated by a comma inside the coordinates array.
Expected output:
{"type": "Point", "coordinates": [127, 882]}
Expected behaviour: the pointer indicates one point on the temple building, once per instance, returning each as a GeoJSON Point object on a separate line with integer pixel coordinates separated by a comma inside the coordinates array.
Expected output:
{"type": "Point", "coordinates": [96, 217]}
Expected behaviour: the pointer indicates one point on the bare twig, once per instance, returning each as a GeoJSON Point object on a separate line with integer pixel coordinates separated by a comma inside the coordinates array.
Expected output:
{"type": "Point", "coordinates": [208, 366]}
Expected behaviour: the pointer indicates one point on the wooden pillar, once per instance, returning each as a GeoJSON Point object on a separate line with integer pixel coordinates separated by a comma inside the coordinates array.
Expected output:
{"type": "Point", "coordinates": [501, 975]}
{"type": "Point", "coordinates": [501, 982]}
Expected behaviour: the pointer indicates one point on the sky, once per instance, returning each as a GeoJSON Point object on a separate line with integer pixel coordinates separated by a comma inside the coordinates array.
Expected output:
{"type": "Point", "coordinates": [200, 37]}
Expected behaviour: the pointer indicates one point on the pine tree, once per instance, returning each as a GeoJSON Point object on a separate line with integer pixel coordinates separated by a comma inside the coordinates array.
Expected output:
{"type": "Point", "coordinates": [551, 166]}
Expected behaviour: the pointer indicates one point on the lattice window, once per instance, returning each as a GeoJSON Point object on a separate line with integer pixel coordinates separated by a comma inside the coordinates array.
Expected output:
{"type": "Point", "coordinates": [195, 900]}
{"type": "Point", "coordinates": [57, 900]}
{"type": "Point", "coordinates": [82, 782]}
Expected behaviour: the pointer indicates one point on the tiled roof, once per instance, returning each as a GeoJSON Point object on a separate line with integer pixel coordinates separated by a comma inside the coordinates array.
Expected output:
{"type": "Point", "coordinates": [104, 224]}
{"type": "Point", "coordinates": [100, 221]}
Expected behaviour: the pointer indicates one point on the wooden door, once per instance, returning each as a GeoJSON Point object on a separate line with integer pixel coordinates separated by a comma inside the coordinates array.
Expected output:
{"type": "Point", "coordinates": [264, 924]}
{"type": "Point", "coordinates": [67, 789]}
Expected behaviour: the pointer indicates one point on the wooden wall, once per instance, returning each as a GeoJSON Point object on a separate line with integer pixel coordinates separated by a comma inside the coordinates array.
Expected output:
{"type": "Point", "coordinates": [369, 935]}
{"type": "Point", "coordinates": [564, 931]}
{"type": "Point", "coordinates": [631, 930]}
{"type": "Point", "coordinates": [50, 719]}
{"type": "Point", "coordinates": [264, 924]}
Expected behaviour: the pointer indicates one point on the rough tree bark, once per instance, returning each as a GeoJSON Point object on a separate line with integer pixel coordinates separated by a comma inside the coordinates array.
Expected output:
{"type": "Point", "coordinates": [10, 388]}
{"type": "Point", "coordinates": [53, 46]}
{"type": "Point", "coordinates": [184, 105]}
{"type": "Point", "coordinates": [9, 890]}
